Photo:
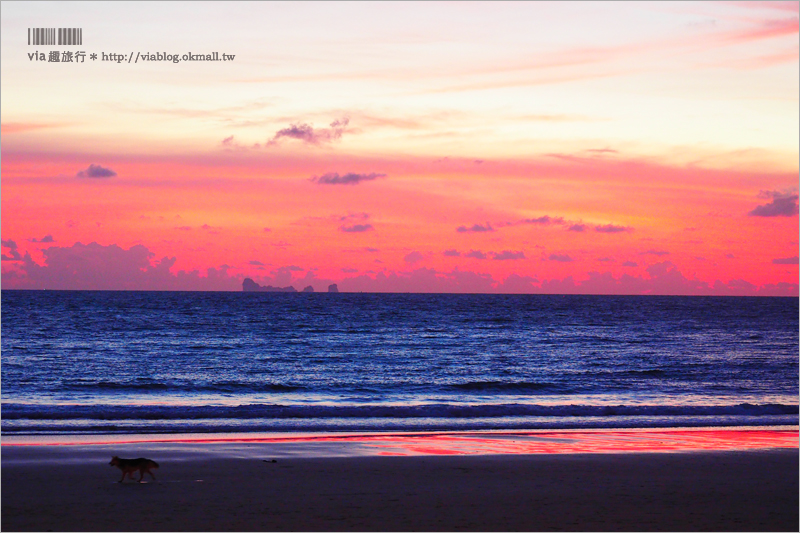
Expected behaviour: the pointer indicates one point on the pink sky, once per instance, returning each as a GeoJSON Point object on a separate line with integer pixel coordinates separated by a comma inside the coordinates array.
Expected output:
{"type": "Point", "coordinates": [647, 148]}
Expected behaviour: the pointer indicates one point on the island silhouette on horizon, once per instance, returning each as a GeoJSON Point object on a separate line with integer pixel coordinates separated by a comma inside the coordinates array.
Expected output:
{"type": "Point", "coordinates": [248, 285]}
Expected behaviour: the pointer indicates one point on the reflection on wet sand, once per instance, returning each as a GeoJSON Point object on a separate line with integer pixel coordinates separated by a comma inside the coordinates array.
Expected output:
{"type": "Point", "coordinates": [471, 443]}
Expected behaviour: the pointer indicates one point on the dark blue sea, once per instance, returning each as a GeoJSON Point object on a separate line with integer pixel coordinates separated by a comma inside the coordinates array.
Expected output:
{"type": "Point", "coordinates": [182, 362]}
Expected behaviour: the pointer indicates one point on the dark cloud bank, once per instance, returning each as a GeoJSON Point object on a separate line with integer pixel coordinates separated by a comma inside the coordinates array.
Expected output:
{"type": "Point", "coordinates": [97, 267]}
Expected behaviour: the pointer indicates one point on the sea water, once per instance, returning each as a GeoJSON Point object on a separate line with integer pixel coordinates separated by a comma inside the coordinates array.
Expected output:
{"type": "Point", "coordinates": [186, 362]}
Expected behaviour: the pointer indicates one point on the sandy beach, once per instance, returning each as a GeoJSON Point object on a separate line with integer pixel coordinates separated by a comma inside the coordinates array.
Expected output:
{"type": "Point", "coordinates": [336, 486]}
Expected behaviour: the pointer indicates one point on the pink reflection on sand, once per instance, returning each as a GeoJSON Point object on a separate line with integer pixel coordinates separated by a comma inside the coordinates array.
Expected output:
{"type": "Point", "coordinates": [594, 442]}
{"type": "Point", "coordinates": [482, 443]}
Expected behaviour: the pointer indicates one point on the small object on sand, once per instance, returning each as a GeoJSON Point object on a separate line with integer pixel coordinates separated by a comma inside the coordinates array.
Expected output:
{"type": "Point", "coordinates": [270, 461]}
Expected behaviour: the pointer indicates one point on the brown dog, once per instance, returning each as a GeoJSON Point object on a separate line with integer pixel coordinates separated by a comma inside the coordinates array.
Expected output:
{"type": "Point", "coordinates": [129, 466]}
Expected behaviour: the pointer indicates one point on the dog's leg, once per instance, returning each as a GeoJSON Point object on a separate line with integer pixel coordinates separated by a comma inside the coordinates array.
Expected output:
{"type": "Point", "coordinates": [151, 474]}
{"type": "Point", "coordinates": [122, 478]}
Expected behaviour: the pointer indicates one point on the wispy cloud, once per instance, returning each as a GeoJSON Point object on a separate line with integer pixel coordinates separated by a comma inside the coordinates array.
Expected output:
{"type": "Point", "coordinates": [507, 255]}
{"type": "Point", "coordinates": [767, 60]}
{"type": "Point", "coordinates": [475, 254]}
{"type": "Point", "coordinates": [236, 115]}
{"type": "Point", "coordinates": [414, 257]}
{"type": "Point", "coordinates": [356, 228]}
{"type": "Point", "coordinates": [351, 178]}
{"type": "Point", "coordinates": [543, 220]}
{"type": "Point", "coordinates": [780, 5]}
{"type": "Point", "coordinates": [785, 261]}
{"type": "Point", "coordinates": [547, 220]}
{"type": "Point", "coordinates": [475, 228]}
{"type": "Point", "coordinates": [45, 239]}
{"type": "Point", "coordinates": [762, 29]}
{"type": "Point", "coordinates": [353, 216]}
{"type": "Point", "coordinates": [611, 228]}
{"type": "Point", "coordinates": [557, 118]}
{"type": "Point", "coordinates": [601, 151]}
{"type": "Point", "coordinates": [9, 128]}
{"type": "Point", "coordinates": [310, 135]}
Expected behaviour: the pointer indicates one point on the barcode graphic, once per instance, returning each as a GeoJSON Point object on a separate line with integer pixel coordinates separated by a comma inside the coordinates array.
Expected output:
{"type": "Point", "coordinates": [62, 36]}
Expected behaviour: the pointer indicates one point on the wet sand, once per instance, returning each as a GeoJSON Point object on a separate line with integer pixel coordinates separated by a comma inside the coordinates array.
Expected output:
{"type": "Point", "coordinates": [230, 487]}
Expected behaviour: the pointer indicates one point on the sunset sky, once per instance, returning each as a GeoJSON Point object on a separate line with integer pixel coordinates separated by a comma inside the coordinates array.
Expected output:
{"type": "Point", "coordinates": [603, 147]}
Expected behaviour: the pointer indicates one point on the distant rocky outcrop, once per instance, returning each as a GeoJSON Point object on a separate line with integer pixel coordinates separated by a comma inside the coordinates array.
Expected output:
{"type": "Point", "coordinates": [333, 288]}
{"type": "Point", "coordinates": [248, 285]}
{"type": "Point", "coordinates": [308, 289]}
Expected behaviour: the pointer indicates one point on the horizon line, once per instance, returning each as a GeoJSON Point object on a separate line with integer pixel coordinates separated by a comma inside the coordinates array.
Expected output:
{"type": "Point", "coordinates": [273, 293]}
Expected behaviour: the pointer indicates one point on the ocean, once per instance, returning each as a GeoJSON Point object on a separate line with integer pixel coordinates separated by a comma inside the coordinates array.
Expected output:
{"type": "Point", "coordinates": [96, 362]}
